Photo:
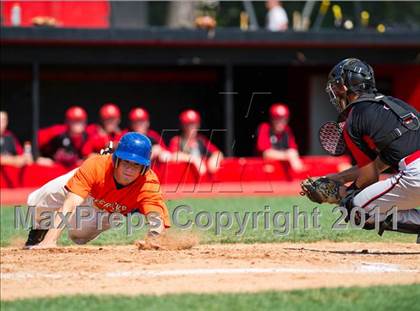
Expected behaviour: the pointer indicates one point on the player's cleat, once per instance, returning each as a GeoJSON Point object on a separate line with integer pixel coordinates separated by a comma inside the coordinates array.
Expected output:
{"type": "Point", "coordinates": [36, 236]}
{"type": "Point", "coordinates": [409, 228]}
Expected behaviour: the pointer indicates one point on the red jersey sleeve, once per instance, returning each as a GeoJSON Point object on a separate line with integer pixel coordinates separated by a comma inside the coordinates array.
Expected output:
{"type": "Point", "coordinates": [263, 137]}
{"type": "Point", "coordinates": [292, 142]}
{"type": "Point", "coordinates": [211, 148]}
{"type": "Point", "coordinates": [18, 146]}
{"type": "Point", "coordinates": [157, 138]}
{"type": "Point", "coordinates": [174, 144]}
{"type": "Point", "coordinates": [361, 158]}
{"type": "Point", "coordinates": [45, 135]}
{"type": "Point", "coordinates": [87, 148]}
{"type": "Point", "coordinates": [95, 143]}
{"type": "Point", "coordinates": [92, 129]}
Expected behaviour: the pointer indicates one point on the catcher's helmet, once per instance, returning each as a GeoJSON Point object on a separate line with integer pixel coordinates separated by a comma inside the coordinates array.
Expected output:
{"type": "Point", "coordinates": [356, 75]}
{"type": "Point", "coordinates": [134, 147]}
{"type": "Point", "coordinates": [76, 113]}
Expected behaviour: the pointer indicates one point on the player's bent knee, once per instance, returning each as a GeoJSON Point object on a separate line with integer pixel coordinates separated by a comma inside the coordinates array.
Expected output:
{"type": "Point", "coordinates": [32, 198]}
{"type": "Point", "coordinates": [80, 241]}
{"type": "Point", "coordinates": [81, 238]}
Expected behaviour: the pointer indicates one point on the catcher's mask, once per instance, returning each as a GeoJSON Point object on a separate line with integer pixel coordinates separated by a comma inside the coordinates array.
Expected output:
{"type": "Point", "coordinates": [349, 76]}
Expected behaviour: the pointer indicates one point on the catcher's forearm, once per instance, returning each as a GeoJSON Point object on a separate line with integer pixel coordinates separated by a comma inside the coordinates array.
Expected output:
{"type": "Point", "coordinates": [380, 166]}
{"type": "Point", "coordinates": [351, 174]}
{"type": "Point", "coordinates": [345, 176]}
{"type": "Point", "coordinates": [368, 175]}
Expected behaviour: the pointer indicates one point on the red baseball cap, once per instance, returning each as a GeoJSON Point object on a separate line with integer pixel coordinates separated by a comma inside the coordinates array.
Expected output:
{"type": "Point", "coordinates": [109, 111]}
{"type": "Point", "coordinates": [189, 116]}
{"type": "Point", "coordinates": [138, 114]}
{"type": "Point", "coordinates": [76, 113]}
{"type": "Point", "coordinates": [279, 110]}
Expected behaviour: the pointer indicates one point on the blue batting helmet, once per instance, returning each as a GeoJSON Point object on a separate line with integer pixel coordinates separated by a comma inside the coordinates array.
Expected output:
{"type": "Point", "coordinates": [134, 147]}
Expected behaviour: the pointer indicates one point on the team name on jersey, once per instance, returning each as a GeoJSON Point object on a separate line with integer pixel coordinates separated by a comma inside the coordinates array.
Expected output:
{"type": "Point", "coordinates": [112, 207]}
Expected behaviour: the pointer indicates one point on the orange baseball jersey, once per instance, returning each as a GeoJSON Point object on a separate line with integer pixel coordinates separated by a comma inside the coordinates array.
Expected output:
{"type": "Point", "coordinates": [96, 178]}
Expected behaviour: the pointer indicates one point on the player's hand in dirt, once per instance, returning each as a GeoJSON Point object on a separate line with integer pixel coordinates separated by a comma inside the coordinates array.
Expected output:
{"type": "Point", "coordinates": [169, 241]}
{"type": "Point", "coordinates": [41, 245]}
{"type": "Point", "coordinates": [150, 243]}
{"type": "Point", "coordinates": [322, 190]}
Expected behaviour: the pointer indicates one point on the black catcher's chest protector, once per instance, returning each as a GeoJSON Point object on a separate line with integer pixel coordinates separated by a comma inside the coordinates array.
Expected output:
{"type": "Point", "coordinates": [409, 120]}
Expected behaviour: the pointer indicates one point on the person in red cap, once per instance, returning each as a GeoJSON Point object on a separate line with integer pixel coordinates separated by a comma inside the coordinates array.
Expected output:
{"type": "Point", "coordinates": [193, 147]}
{"type": "Point", "coordinates": [11, 151]}
{"type": "Point", "coordinates": [140, 123]}
{"type": "Point", "coordinates": [64, 142]}
{"type": "Point", "coordinates": [100, 135]}
{"type": "Point", "coordinates": [276, 141]}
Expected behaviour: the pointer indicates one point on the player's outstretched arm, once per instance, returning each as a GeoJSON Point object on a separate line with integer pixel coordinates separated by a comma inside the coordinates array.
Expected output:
{"type": "Point", "coordinates": [154, 234]}
{"type": "Point", "coordinates": [352, 173]}
{"type": "Point", "coordinates": [348, 175]}
{"type": "Point", "coordinates": [71, 202]}
{"type": "Point", "coordinates": [368, 175]}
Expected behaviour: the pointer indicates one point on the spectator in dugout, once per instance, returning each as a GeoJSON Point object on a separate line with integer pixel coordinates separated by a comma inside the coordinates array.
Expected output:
{"type": "Point", "coordinates": [275, 140]}
{"type": "Point", "coordinates": [64, 143]}
{"type": "Point", "coordinates": [140, 123]}
{"type": "Point", "coordinates": [193, 147]}
{"type": "Point", "coordinates": [100, 135]}
{"type": "Point", "coordinates": [11, 152]}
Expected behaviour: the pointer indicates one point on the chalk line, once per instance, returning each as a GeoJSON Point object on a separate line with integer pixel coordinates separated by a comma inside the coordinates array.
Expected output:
{"type": "Point", "coordinates": [364, 268]}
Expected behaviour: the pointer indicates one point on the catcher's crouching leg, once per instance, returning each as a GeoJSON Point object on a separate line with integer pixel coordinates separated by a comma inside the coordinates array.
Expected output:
{"type": "Point", "coordinates": [399, 194]}
{"type": "Point", "coordinates": [407, 221]}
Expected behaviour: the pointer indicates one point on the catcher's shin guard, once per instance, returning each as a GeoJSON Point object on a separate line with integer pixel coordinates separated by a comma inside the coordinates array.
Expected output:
{"type": "Point", "coordinates": [36, 236]}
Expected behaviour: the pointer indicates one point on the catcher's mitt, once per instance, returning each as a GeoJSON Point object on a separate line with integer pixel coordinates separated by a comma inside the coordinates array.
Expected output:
{"type": "Point", "coordinates": [321, 190]}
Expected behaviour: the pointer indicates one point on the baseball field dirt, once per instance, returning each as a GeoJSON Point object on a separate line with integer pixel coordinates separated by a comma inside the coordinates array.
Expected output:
{"type": "Point", "coordinates": [205, 268]}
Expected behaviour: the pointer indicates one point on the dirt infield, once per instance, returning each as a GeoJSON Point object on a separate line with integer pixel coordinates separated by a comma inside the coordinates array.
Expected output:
{"type": "Point", "coordinates": [205, 268]}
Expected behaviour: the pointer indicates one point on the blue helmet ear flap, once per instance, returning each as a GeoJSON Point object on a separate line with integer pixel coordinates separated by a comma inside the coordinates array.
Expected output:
{"type": "Point", "coordinates": [144, 170]}
{"type": "Point", "coordinates": [114, 160]}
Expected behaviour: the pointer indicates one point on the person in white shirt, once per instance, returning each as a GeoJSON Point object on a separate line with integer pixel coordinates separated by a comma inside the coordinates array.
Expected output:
{"type": "Point", "coordinates": [276, 16]}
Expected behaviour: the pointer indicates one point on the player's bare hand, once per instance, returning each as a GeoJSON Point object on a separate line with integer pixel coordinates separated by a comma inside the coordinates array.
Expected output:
{"type": "Point", "coordinates": [149, 244]}
{"type": "Point", "coordinates": [41, 246]}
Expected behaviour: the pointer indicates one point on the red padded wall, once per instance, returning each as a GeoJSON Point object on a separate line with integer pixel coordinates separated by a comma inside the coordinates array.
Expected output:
{"type": "Point", "coordinates": [74, 14]}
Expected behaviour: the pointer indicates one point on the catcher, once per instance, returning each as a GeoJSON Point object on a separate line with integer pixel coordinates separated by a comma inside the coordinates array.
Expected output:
{"type": "Point", "coordinates": [380, 132]}
{"type": "Point", "coordinates": [122, 182]}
